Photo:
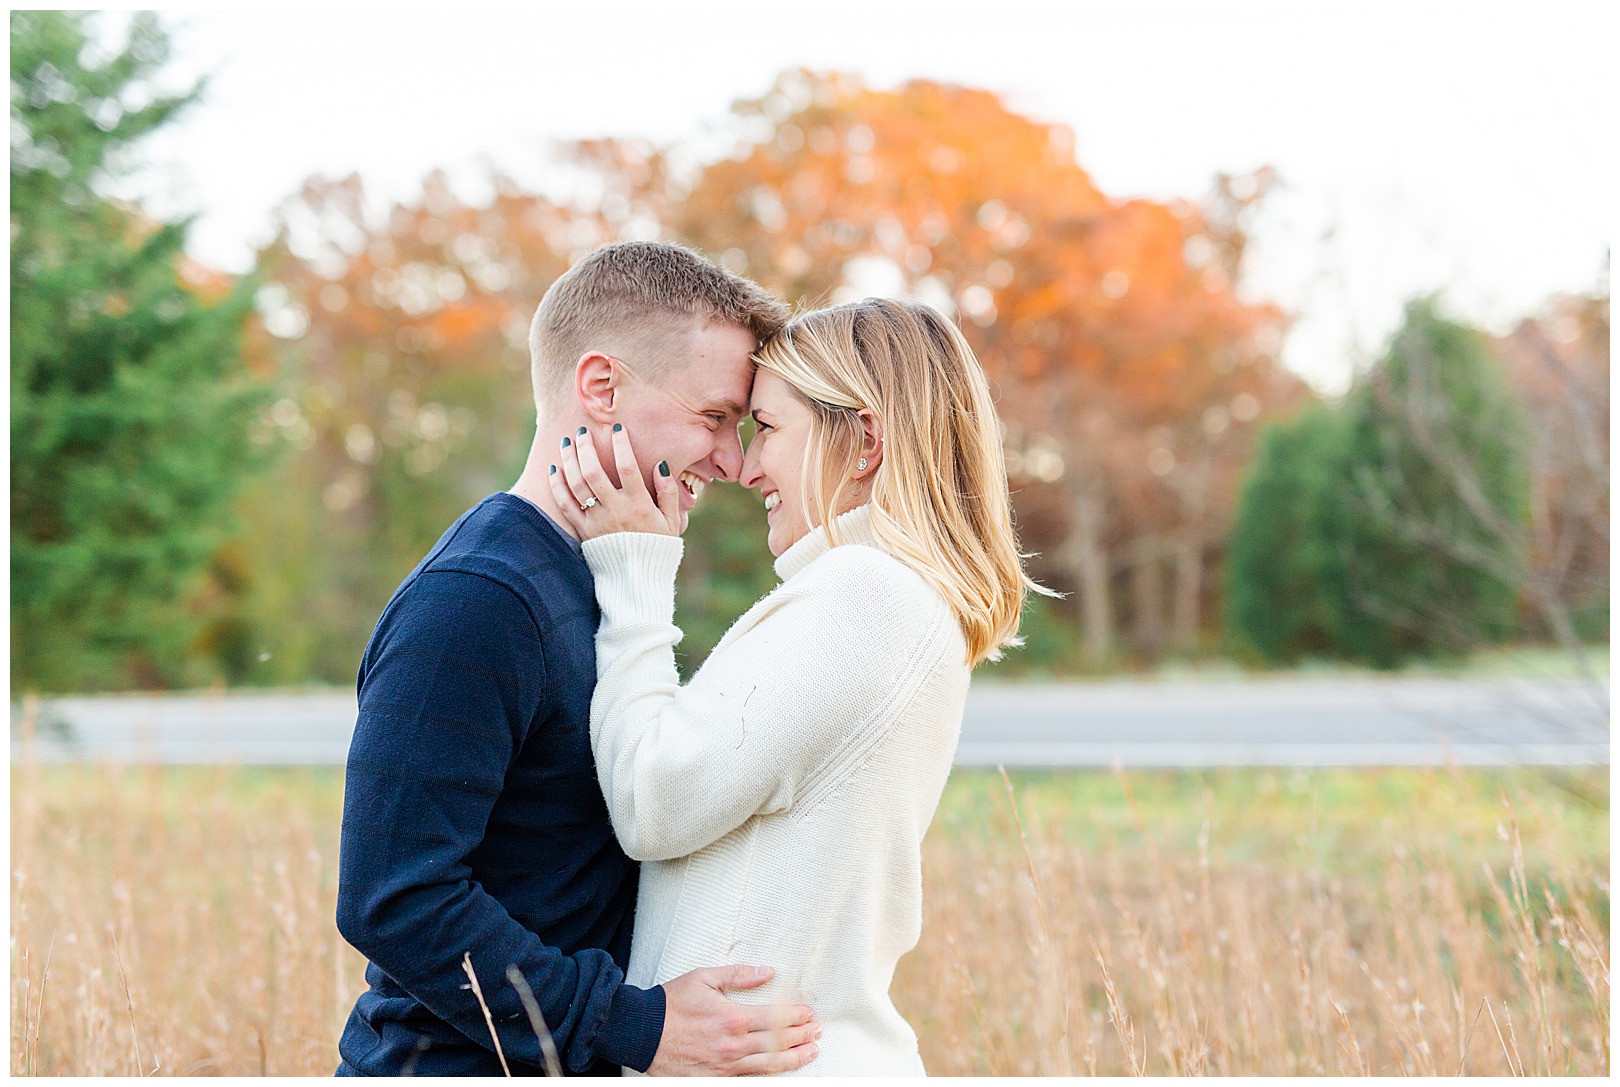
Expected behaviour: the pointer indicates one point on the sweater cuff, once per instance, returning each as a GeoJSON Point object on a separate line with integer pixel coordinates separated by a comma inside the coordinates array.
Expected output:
{"type": "Point", "coordinates": [635, 1023]}
{"type": "Point", "coordinates": [635, 575]}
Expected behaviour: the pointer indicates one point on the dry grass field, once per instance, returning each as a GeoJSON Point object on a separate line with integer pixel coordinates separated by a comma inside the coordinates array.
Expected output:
{"type": "Point", "coordinates": [179, 921]}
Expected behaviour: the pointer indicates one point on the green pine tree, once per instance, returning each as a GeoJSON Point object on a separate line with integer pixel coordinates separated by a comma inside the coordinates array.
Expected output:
{"type": "Point", "coordinates": [1439, 485]}
{"type": "Point", "coordinates": [1390, 527]}
{"type": "Point", "coordinates": [129, 404]}
{"type": "Point", "coordinates": [1284, 572]}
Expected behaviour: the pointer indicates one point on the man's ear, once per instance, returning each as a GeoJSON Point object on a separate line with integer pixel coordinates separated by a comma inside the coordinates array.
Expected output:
{"type": "Point", "coordinates": [596, 385]}
{"type": "Point", "coordinates": [871, 439]}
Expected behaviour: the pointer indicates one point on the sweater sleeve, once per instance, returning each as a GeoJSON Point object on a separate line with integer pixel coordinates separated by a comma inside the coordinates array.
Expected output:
{"type": "Point", "coordinates": [444, 707]}
{"type": "Point", "coordinates": [818, 670]}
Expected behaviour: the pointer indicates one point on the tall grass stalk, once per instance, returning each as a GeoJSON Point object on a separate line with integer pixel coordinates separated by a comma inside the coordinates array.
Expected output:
{"type": "Point", "coordinates": [489, 1020]}
{"type": "Point", "coordinates": [537, 1021]}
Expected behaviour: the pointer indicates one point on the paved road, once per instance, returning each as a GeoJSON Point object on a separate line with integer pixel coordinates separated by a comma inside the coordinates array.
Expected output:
{"type": "Point", "coordinates": [1270, 722]}
{"type": "Point", "coordinates": [1288, 722]}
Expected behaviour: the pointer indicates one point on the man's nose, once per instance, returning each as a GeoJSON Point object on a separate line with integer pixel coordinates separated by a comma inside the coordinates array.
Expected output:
{"type": "Point", "coordinates": [728, 458]}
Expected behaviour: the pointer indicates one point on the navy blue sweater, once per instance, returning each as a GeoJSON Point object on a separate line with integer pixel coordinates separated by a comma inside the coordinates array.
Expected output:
{"type": "Point", "coordinates": [473, 821]}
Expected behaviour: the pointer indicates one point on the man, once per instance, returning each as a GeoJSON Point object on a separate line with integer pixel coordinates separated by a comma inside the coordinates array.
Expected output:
{"type": "Point", "coordinates": [474, 831]}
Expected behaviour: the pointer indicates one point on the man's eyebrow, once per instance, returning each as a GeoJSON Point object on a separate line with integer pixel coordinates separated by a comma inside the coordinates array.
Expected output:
{"type": "Point", "coordinates": [730, 407]}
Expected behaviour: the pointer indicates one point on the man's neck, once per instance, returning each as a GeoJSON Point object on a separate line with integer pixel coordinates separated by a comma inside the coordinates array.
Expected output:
{"type": "Point", "coordinates": [534, 483]}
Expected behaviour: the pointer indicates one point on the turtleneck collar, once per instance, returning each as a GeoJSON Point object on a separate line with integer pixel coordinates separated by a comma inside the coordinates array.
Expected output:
{"type": "Point", "coordinates": [853, 527]}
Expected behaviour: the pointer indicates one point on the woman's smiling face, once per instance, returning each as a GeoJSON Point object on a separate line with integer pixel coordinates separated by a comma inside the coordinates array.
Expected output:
{"type": "Point", "coordinates": [774, 462]}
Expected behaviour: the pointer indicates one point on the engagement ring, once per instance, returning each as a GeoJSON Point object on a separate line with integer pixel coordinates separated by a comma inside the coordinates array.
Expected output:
{"type": "Point", "coordinates": [589, 502]}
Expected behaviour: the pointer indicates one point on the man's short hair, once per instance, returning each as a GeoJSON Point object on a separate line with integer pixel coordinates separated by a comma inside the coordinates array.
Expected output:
{"type": "Point", "coordinates": [629, 296]}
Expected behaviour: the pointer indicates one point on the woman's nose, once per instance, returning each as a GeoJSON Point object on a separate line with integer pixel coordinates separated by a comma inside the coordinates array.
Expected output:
{"type": "Point", "coordinates": [751, 475]}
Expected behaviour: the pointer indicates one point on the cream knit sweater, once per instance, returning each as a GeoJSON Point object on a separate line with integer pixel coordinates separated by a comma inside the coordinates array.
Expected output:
{"type": "Point", "coordinates": [779, 799]}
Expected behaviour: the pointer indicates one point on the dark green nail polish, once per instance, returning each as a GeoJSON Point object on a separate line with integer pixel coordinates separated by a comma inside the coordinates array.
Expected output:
{"type": "Point", "coordinates": [663, 468]}
{"type": "Point", "coordinates": [617, 427]}
{"type": "Point", "coordinates": [582, 432]}
{"type": "Point", "coordinates": [567, 442]}
{"type": "Point", "coordinates": [553, 469]}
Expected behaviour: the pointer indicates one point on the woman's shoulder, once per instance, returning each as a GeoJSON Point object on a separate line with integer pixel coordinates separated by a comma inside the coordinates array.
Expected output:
{"type": "Point", "coordinates": [855, 596]}
{"type": "Point", "coordinates": [870, 580]}
{"type": "Point", "coordinates": [859, 560]}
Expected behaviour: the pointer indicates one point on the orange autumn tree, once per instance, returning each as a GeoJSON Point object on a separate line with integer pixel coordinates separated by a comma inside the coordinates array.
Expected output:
{"type": "Point", "coordinates": [1130, 371]}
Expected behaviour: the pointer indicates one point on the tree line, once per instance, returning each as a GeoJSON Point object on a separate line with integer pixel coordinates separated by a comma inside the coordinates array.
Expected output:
{"type": "Point", "coordinates": [220, 479]}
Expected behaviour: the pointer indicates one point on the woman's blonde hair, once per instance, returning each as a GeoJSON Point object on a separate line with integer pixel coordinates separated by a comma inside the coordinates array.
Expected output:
{"type": "Point", "coordinates": [939, 498]}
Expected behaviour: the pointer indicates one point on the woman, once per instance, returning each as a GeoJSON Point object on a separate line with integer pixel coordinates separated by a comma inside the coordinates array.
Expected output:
{"type": "Point", "coordinates": [780, 798]}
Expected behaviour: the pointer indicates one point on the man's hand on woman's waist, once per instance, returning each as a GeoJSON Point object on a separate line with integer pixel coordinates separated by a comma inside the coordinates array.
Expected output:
{"type": "Point", "coordinates": [707, 1035]}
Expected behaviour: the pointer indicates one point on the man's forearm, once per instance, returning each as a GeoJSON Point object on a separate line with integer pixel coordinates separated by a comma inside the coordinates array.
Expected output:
{"type": "Point", "coordinates": [421, 940]}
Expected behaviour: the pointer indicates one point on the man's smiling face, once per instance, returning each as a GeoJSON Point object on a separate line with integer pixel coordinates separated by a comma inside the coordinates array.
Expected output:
{"type": "Point", "coordinates": [688, 409]}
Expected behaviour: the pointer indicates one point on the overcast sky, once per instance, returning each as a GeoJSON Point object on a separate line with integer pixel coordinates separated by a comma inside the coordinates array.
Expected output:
{"type": "Point", "coordinates": [1468, 147]}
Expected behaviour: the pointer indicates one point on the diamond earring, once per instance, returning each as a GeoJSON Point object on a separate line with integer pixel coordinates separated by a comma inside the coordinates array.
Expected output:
{"type": "Point", "coordinates": [860, 465]}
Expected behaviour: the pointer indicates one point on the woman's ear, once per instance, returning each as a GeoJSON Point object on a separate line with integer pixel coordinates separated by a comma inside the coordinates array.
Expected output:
{"type": "Point", "coordinates": [871, 454]}
{"type": "Point", "coordinates": [596, 384]}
